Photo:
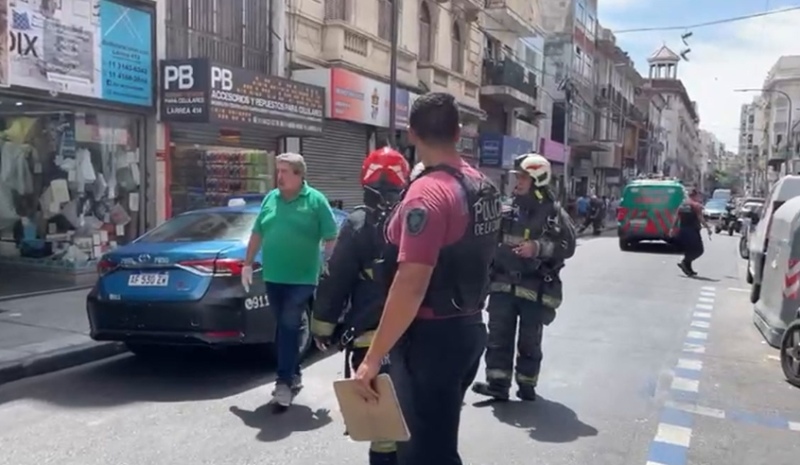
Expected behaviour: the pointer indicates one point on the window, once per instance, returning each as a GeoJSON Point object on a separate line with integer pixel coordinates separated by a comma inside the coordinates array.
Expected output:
{"type": "Point", "coordinates": [425, 34]}
{"type": "Point", "coordinates": [336, 10]}
{"type": "Point", "coordinates": [199, 227]}
{"type": "Point", "coordinates": [457, 53]}
{"type": "Point", "coordinates": [581, 16]}
{"type": "Point", "coordinates": [590, 26]}
{"type": "Point", "coordinates": [385, 19]}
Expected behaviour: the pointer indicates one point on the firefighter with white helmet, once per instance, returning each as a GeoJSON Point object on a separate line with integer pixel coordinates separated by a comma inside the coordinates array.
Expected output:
{"type": "Point", "coordinates": [537, 236]}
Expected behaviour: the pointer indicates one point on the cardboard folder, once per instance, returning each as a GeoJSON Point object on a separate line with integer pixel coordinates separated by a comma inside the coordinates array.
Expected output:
{"type": "Point", "coordinates": [370, 421]}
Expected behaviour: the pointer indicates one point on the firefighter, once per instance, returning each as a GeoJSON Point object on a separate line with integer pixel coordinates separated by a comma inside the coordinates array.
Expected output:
{"type": "Point", "coordinates": [525, 290]}
{"type": "Point", "coordinates": [350, 278]}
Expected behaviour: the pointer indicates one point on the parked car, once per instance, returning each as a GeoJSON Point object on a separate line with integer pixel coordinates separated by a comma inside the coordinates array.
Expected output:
{"type": "Point", "coordinates": [180, 284]}
{"type": "Point", "coordinates": [783, 190]}
{"type": "Point", "coordinates": [746, 225]}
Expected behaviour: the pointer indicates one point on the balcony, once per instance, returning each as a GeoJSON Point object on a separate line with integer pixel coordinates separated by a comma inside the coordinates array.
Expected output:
{"type": "Point", "coordinates": [509, 83]}
{"type": "Point", "coordinates": [610, 158]}
{"type": "Point", "coordinates": [603, 95]}
{"type": "Point", "coordinates": [516, 16]}
{"type": "Point", "coordinates": [471, 8]}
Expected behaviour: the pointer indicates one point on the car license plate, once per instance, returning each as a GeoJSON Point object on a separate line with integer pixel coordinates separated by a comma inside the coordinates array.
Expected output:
{"type": "Point", "coordinates": [638, 222]}
{"type": "Point", "coordinates": [149, 280]}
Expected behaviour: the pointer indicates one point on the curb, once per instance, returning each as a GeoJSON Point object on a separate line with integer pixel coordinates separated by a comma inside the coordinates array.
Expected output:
{"type": "Point", "coordinates": [60, 359]}
{"type": "Point", "coordinates": [26, 295]}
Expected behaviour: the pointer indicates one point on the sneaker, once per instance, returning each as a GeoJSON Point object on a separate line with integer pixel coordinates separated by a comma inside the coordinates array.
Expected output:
{"type": "Point", "coordinates": [282, 395]}
{"type": "Point", "coordinates": [297, 383]}
{"type": "Point", "coordinates": [490, 390]}
{"type": "Point", "coordinates": [685, 269]}
{"type": "Point", "coordinates": [527, 393]}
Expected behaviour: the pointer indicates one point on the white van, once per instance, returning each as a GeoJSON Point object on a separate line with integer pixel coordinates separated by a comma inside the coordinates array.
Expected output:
{"type": "Point", "coordinates": [786, 188]}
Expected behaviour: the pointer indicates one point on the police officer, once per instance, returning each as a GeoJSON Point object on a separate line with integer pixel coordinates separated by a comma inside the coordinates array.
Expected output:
{"type": "Point", "coordinates": [350, 274]}
{"type": "Point", "coordinates": [443, 237]}
{"type": "Point", "coordinates": [526, 289]}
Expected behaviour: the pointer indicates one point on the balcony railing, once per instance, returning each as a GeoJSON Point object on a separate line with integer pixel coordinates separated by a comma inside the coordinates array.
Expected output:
{"type": "Point", "coordinates": [509, 73]}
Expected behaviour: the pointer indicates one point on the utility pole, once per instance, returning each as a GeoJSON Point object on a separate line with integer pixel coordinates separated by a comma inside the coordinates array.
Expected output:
{"type": "Point", "coordinates": [567, 120]}
{"type": "Point", "coordinates": [395, 5]}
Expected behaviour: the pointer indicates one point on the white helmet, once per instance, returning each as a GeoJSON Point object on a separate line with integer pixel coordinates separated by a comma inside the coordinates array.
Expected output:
{"type": "Point", "coordinates": [537, 167]}
{"type": "Point", "coordinates": [418, 169]}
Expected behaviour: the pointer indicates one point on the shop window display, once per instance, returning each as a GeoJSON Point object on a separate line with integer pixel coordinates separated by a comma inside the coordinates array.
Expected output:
{"type": "Point", "coordinates": [69, 184]}
{"type": "Point", "coordinates": [209, 176]}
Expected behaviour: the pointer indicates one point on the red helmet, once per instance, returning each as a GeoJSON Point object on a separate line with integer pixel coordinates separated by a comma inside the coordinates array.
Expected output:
{"type": "Point", "coordinates": [385, 168]}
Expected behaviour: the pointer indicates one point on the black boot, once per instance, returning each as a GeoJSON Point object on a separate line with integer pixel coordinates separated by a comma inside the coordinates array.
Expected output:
{"type": "Point", "coordinates": [686, 270]}
{"type": "Point", "coordinates": [382, 458]}
{"type": "Point", "coordinates": [490, 390]}
{"type": "Point", "coordinates": [527, 393]}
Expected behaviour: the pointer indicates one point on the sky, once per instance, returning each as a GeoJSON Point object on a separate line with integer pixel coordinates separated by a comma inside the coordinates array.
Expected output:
{"type": "Point", "coordinates": [723, 58]}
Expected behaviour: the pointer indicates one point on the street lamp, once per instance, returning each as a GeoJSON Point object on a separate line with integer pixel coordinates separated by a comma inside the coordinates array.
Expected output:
{"type": "Point", "coordinates": [395, 5]}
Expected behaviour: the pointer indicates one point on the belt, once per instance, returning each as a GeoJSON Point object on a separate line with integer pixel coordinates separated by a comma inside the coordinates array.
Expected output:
{"type": "Point", "coordinates": [517, 276]}
{"type": "Point", "coordinates": [428, 314]}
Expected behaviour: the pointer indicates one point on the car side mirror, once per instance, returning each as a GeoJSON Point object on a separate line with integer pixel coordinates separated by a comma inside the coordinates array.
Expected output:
{"type": "Point", "coordinates": [754, 217]}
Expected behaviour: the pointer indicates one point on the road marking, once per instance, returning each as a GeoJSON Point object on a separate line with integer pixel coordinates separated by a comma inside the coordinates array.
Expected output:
{"type": "Point", "coordinates": [704, 307]}
{"type": "Point", "coordinates": [706, 300]}
{"type": "Point", "coordinates": [738, 289]}
{"type": "Point", "coordinates": [685, 384]}
{"type": "Point", "coordinates": [701, 324]}
{"type": "Point", "coordinates": [794, 426]}
{"type": "Point", "coordinates": [705, 315]}
{"type": "Point", "coordinates": [690, 364]}
{"type": "Point", "coordinates": [675, 435]}
{"type": "Point", "coordinates": [697, 409]}
{"type": "Point", "coordinates": [708, 294]}
{"type": "Point", "coordinates": [694, 348]}
{"type": "Point", "coordinates": [777, 358]}
{"type": "Point", "coordinates": [709, 288]}
{"type": "Point", "coordinates": [697, 335]}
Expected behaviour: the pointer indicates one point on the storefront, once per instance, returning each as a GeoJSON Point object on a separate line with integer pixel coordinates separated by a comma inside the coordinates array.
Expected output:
{"type": "Point", "coordinates": [469, 143]}
{"type": "Point", "coordinates": [497, 154]}
{"type": "Point", "coordinates": [357, 121]}
{"type": "Point", "coordinates": [76, 97]}
{"type": "Point", "coordinates": [557, 153]}
{"type": "Point", "coordinates": [224, 127]}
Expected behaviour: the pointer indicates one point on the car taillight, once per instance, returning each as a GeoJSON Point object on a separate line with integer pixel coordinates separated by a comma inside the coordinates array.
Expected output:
{"type": "Point", "coordinates": [105, 266]}
{"type": "Point", "coordinates": [621, 212]}
{"type": "Point", "coordinates": [216, 267]}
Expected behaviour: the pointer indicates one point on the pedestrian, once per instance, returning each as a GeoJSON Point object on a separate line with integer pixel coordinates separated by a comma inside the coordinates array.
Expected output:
{"type": "Point", "coordinates": [294, 220]}
{"type": "Point", "coordinates": [442, 239]}
{"type": "Point", "coordinates": [583, 207]}
{"type": "Point", "coordinates": [691, 219]}
{"type": "Point", "coordinates": [526, 287]}
{"type": "Point", "coordinates": [351, 274]}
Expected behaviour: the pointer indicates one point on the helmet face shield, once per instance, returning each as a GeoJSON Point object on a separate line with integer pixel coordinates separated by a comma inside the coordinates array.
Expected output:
{"type": "Point", "coordinates": [534, 165]}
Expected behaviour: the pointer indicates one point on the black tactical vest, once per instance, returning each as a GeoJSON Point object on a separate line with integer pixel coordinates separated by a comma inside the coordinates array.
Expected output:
{"type": "Point", "coordinates": [460, 282]}
{"type": "Point", "coordinates": [520, 225]}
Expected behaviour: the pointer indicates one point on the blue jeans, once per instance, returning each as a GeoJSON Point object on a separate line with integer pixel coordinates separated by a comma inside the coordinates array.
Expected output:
{"type": "Point", "coordinates": [288, 301]}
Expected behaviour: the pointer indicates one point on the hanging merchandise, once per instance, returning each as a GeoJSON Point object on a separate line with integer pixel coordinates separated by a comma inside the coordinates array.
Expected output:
{"type": "Point", "coordinates": [334, 161]}
{"type": "Point", "coordinates": [209, 177]}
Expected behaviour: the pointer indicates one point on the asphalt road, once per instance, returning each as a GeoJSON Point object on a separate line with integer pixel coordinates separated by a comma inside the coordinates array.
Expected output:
{"type": "Point", "coordinates": [642, 364]}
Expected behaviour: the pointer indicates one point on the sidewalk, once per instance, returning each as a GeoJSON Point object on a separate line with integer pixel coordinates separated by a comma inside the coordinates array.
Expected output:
{"type": "Point", "coordinates": [46, 333]}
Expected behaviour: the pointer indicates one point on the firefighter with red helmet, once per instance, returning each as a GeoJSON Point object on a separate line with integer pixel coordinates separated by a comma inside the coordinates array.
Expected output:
{"type": "Point", "coordinates": [351, 273]}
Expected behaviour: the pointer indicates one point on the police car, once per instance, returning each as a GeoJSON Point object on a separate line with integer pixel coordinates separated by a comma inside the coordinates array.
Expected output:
{"type": "Point", "coordinates": [180, 284]}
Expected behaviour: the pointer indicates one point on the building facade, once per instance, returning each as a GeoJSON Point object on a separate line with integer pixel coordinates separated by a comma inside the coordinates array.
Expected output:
{"type": "Point", "coordinates": [618, 120]}
{"type": "Point", "coordinates": [679, 117]}
{"type": "Point", "coordinates": [780, 95]}
{"type": "Point", "coordinates": [570, 46]}
{"type": "Point", "coordinates": [512, 75]}
{"type": "Point", "coordinates": [78, 113]}
{"type": "Point", "coordinates": [344, 46]}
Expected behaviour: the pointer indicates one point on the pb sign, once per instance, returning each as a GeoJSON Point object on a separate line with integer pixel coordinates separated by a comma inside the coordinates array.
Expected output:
{"type": "Point", "coordinates": [221, 78]}
{"type": "Point", "coordinates": [178, 77]}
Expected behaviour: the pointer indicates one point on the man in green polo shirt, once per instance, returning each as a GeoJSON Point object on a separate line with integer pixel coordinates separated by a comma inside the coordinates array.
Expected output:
{"type": "Point", "coordinates": [294, 220]}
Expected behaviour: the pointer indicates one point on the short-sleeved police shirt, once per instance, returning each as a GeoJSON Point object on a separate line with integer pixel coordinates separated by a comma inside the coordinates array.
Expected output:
{"type": "Point", "coordinates": [291, 233]}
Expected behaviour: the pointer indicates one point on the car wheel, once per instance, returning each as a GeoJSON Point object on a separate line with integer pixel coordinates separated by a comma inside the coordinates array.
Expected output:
{"type": "Point", "coordinates": [306, 341]}
{"type": "Point", "coordinates": [730, 231]}
{"type": "Point", "coordinates": [743, 252]}
{"type": "Point", "coordinates": [790, 353]}
{"type": "Point", "coordinates": [624, 245]}
{"type": "Point", "coordinates": [755, 293]}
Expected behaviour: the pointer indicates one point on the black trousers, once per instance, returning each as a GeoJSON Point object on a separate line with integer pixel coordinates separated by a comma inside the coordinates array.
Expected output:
{"type": "Point", "coordinates": [432, 367]}
{"type": "Point", "coordinates": [514, 318]}
{"type": "Point", "coordinates": [692, 243]}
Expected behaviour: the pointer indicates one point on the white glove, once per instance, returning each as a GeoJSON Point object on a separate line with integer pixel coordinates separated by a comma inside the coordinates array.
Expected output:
{"type": "Point", "coordinates": [247, 277]}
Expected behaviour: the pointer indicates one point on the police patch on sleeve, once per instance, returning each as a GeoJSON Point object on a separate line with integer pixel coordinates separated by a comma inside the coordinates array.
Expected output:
{"type": "Point", "coordinates": [416, 219]}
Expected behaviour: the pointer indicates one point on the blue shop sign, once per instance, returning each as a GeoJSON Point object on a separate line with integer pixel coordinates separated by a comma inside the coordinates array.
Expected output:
{"type": "Point", "coordinates": [499, 151]}
{"type": "Point", "coordinates": [126, 52]}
